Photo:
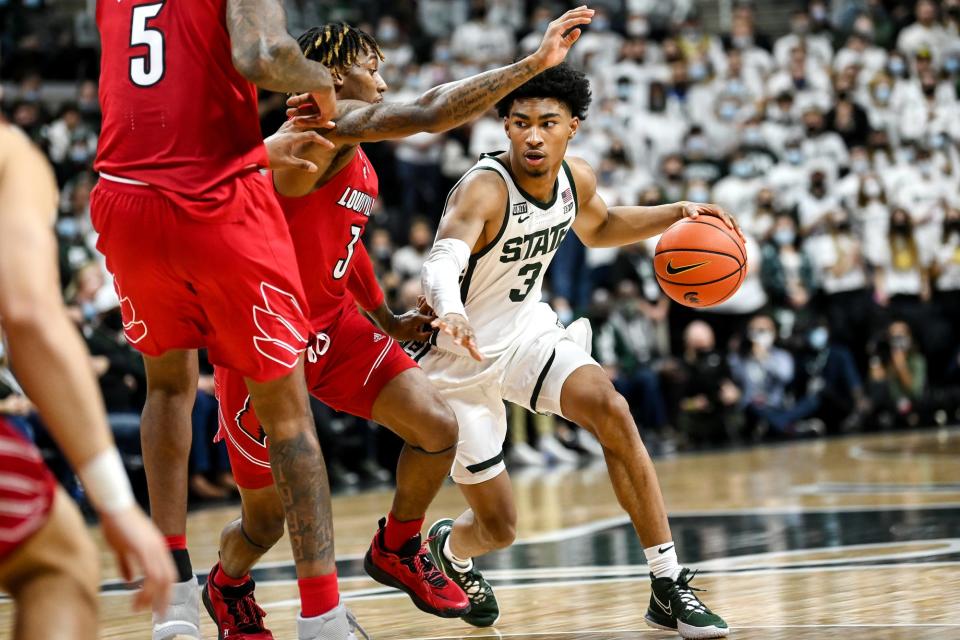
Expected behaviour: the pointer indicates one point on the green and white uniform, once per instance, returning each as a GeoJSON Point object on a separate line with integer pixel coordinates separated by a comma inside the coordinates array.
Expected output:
{"type": "Point", "coordinates": [527, 353]}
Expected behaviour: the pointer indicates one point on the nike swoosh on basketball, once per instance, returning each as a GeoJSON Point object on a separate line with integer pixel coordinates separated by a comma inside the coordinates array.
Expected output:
{"type": "Point", "coordinates": [672, 270]}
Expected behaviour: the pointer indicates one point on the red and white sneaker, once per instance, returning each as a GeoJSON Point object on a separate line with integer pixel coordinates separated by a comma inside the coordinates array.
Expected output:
{"type": "Point", "coordinates": [235, 610]}
{"type": "Point", "coordinates": [411, 569]}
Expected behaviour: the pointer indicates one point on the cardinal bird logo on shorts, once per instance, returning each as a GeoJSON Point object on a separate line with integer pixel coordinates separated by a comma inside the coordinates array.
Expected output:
{"type": "Point", "coordinates": [134, 330]}
{"type": "Point", "coordinates": [250, 425]}
{"type": "Point", "coordinates": [278, 339]}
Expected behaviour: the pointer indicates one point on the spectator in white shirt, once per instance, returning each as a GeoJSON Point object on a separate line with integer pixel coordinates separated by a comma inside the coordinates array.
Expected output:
{"type": "Point", "coordinates": [816, 205]}
{"type": "Point", "coordinates": [408, 260]}
{"type": "Point", "coordinates": [737, 191]}
{"type": "Point", "coordinates": [925, 33]}
{"type": "Point", "coordinates": [818, 46]}
{"type": "Point", "coordinates": [902, 269]}
{"type": "Point", "coordinates": [821, 143]}
{"type": "Point", "coordinates": [481, 42]}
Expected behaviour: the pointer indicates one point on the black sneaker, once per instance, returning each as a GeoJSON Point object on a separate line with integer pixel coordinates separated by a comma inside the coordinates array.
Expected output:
{"type": "Point", "coordinates": [674, 607]}
{"type": "Point", "coordinates": [484, 610]}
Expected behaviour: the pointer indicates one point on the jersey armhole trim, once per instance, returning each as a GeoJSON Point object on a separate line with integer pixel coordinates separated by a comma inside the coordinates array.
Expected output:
{"type": "Point", "coordinates": [573, 187]}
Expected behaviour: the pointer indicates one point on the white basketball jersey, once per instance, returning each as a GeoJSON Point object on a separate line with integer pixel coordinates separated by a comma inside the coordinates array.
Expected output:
{"type": "Point", "coordinates": [502, 284]}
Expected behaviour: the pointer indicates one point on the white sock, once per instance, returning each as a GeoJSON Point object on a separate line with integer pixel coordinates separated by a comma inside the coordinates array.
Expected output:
{"type": "Point", "coordinates": [459, 564]}
{"type": "Point", "coordinates": [662, 560]}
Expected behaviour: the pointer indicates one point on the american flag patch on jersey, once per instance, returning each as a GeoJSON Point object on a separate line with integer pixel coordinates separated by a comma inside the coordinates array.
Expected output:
{"type": "Point", "coordinates": [567, 196]}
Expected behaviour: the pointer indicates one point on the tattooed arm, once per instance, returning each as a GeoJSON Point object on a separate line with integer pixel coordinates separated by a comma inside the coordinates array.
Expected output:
{"type": "Point", "coordinates": [265, 54]}
{"type": "Point", "coordinates": [454, 103]}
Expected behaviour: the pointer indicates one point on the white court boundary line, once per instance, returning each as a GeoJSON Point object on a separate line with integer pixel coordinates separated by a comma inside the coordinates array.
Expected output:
{"type": "Point", "coordinates": [384, 593]}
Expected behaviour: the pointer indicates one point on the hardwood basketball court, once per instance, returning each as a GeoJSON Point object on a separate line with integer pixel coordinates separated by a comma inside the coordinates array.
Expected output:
{"type": "Point", "coordinates": [856, 537]}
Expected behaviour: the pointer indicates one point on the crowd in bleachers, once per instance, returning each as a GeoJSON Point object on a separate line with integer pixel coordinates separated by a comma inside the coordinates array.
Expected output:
{"type": "Point", "coordinates": [836, 145]}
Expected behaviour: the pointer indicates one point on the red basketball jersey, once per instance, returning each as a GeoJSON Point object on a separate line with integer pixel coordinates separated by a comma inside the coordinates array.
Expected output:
{"type": "Point", "coordinates": [176, 113]}
{"type": "Point", "coordinates": [326, 226]}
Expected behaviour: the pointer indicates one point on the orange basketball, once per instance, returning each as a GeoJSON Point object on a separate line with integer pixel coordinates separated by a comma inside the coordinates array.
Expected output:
{"type": "Point", "coordinates": [701, 262]}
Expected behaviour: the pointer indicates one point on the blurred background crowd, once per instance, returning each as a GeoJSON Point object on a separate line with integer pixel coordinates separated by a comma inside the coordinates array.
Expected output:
{"type": "Point", "coordinates": [830, 128]}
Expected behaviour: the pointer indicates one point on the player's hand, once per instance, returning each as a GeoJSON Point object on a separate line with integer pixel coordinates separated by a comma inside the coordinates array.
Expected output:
{"type": "Point", "coordinates": [560, 36]}
{"type": "Point", "coordinates": [696, 209]}
{"type": "Point", "coordinates": [303, 110]}
{"type": "Point", "coordinates": [326, 102]}
{"type": "Point", "coordinates": [285, 148]}
{"type": "Point", "coordinates": [140, 549]}
{"type": "Point", "coordinates": [412, 325]}
{"type": "Point", "coordinates": [424, 307]}
{"type": "Point", "coordinates": [456, 326]}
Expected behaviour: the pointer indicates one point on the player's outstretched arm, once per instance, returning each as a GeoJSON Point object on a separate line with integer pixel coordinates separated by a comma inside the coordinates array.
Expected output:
{"type": "Point", "coordinates": [473, 207]}
{"type": "Point", "coordinates": [53, 366]}
{"type": "Point", "coordinates": [452, 104]}
{"type": "Point", "coordinates": [266, 55]}
{"type": "Point", "coordinates": [600, 226]}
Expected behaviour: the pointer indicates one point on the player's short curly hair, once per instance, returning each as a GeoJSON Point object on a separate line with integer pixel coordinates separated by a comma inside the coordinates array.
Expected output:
{"type": "Point", "coordinates": [562, 82]}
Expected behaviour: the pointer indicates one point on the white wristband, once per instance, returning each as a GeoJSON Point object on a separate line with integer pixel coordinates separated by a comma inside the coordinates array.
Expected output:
{"type": "Point", "coordinates": [106, 482]}
{"type": "Point", "coordinates": [440, 276]}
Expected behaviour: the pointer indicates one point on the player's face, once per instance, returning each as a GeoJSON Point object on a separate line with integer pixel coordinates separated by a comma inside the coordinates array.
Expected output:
{"type": "Point", "coordinates": [539, 130]}
{"type": "Point", "coordinates": [363, 81]}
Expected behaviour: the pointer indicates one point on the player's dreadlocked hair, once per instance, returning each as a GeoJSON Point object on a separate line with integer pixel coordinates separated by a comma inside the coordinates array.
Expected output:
{"type": "Point", "coordinates": [337, 45]}
{"type": "Point", "coordinates": [561, 82]}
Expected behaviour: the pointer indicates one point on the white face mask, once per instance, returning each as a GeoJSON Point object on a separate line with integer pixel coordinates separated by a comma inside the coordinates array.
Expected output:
{"type": "Point", "coordinates": [762, 338]}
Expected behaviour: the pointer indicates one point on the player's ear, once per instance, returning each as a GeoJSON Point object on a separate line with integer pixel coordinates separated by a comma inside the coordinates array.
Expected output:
{"type": "Point", "coordinates": [574, 127]}
{"type": "Point", "coordinates": [337, 77]}
{"type": "Point", "coordinates": [506, 125]}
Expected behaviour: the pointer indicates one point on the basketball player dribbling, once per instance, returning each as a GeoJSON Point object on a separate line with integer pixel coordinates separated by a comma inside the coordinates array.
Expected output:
{"type": "Point", "coordinates": [202, 256]}
{"type": "Point", "coordinates": [48, 562]}
{"type": "Point", "coordinates": [502, 224]}
{"type": "Point", "coordinates": [352, 365]}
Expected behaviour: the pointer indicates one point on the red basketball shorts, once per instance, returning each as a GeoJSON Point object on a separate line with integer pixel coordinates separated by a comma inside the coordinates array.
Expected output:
{"type": "Point", "coordinates": [26, 490]}
{"type": "Point", "coordinates": [347, 367]}
{"type": "Point", "coordinates": [230, 286]}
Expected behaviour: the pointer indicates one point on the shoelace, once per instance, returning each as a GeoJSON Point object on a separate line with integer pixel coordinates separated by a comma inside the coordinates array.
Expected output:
{"type": "Point", "coordinates": [473, 587]}
{"type": "Point", "coordinates": [247, 614]}
{"type": "Point", "coordinates": [685, 592]}
{"type": "Point", "coordinates": [355, 626]}
{"type": "Point", "coordinates": [431, 573]}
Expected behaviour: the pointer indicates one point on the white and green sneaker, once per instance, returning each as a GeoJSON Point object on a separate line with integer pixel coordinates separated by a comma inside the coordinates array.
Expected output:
{"type": "Point", "coordinates": [674, 607]}
{"type": "Point", "coordinates": [484, 610]}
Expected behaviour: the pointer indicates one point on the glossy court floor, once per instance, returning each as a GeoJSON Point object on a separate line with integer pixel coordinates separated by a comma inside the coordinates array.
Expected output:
{"type": "Point", "coordinates": [852, 538]}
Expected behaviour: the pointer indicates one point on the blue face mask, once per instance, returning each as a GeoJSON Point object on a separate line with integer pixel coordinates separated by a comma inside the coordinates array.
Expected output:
{"type": "Point", "coordinates": [728, 111]}
{"type": "Point", "coordinates": [951, 65]}
{"type": "Point", "coordinates": [697, 71]}
{"type": "Point", "coordinates": [819, 337]}
{"type": "Point", "coordinates": [698, 195]}
{"type": "Point", "coordinates": [68, 227]}
{"type": "Point", "coordinates": [883, 94]}
{"type": "Point", "coordinates": [784, 237]}
{"type": "Point", "coordinates": [896, 67]}
{"type": "Point", "coordinates": [742, 169]}
{"type": "Point", "coordinates": [794, 156]}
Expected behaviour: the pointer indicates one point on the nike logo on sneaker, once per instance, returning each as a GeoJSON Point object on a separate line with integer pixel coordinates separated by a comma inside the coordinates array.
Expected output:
{"type": "Point", "coordinates": [666, 607]}
{"type": "Point", "coordinates": [672, 270]}
{"type": "Point", "coordinates": [664, 550]}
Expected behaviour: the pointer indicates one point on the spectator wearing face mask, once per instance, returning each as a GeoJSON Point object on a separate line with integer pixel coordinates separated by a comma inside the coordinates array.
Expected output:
{"type": "Point", "coordinates": [818, 45]}
{"type": "Point", "coordinates": [790, 176]}
{"type": "Point", "coordinates": [822, 144]}
{"type": "Point", "coordinates": [879, 105]}
{"type": "Point", "coordinates": [870, 211]}
{"type": "Point", "coordinates": [764, 372]}
{"type": "Point", "coordinates": [706, 408]}
{"type": "Point", "coordinates": [946, 271]}
{"type": "Point", "coordinates": [926, 195]}
{"type": "Point", "coordinates": [787, 273]}
{"type": "Point", "coordinates": [815, 206]}
{"type": "Point", "coordinates": [929, 105]}
{"type": "Point", "coordinates": [730, 316]}
{"type": "Point", "coordinates": [849, 121]}
{"type": "Point", "coordinates": [738, 190]}
{"type": "Point", "coordinates": [599, 45]}
{"type": "Point", "coordinates": [898, 376]}
{"type": "Point", "coordinates": [803, 77]}
{"type": "Point", "coordinates": [481, 41]}
{"type": "Point", "coordinates": [698, 157]}
{"type": "Point", "coordinates": [902, 270]}
{"type": "Point", "coordinates": [840, 268]}
{"type": "Point", "coordinates": [656, 132]}
{"type": "Point", "coordinates": [859, 48]}
{"type": "Point", "coordinates": [827, 372]}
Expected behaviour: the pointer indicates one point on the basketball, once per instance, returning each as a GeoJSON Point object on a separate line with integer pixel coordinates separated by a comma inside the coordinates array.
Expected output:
{"type": "Point", "coordinates": [700, 262]}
